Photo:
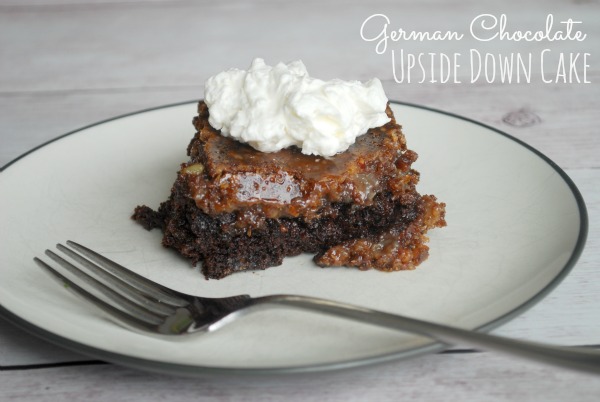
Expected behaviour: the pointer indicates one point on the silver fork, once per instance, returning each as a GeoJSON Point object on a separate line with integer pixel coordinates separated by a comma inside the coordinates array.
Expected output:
{"type": "Point", "coordinates": [138, 303]}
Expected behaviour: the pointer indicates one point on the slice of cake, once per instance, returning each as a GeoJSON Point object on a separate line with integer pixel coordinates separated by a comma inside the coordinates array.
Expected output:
{"type": "Point", "coordinates": [234, 207]}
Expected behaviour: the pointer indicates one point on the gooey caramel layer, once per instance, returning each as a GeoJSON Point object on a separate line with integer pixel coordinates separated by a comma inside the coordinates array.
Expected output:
{"type": "Point", "coordinates": [228, 176]}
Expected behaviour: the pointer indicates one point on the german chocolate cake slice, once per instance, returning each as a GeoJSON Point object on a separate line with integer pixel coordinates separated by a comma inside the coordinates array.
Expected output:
{"type": "Point", "coordinates": [235, 208]}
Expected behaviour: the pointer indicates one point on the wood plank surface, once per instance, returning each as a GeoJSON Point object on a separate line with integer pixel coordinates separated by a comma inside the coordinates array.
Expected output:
{"type": "Point", "coordinates": [448, 377]}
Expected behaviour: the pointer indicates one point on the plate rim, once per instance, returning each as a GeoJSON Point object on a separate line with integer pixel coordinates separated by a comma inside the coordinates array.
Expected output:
{"type": "Point", "coordinates": [197, 370]}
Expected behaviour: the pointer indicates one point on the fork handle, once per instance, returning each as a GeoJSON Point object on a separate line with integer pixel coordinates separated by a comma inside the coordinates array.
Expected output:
{"type": "Point", "coordinates": [570, 357]}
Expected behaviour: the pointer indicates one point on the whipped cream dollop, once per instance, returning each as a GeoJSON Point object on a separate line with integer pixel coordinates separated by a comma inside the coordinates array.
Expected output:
{"type": "Point", "coordinates": [274, 107]}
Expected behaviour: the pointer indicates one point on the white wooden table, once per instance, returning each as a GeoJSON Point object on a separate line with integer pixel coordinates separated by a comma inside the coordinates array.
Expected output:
{"type": "Point", "coordinates": [68, 63]}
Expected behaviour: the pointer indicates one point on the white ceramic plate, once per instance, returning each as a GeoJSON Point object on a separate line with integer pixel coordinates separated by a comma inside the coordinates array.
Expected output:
{"type": "Point", "coordinates": [516, 225]}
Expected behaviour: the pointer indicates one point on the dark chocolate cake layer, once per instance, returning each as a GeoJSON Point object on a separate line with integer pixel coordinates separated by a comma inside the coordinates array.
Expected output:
{"type": "Point", "coordinates": [233, 208]}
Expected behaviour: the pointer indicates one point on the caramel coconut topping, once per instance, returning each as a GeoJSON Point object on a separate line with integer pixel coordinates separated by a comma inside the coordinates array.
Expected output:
{"type": "Point", "coordinates": [287, 183]}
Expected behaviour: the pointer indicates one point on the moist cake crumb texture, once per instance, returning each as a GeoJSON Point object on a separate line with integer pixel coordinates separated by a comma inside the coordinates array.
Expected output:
{"type": "Point", "coordinates": [233, 208]}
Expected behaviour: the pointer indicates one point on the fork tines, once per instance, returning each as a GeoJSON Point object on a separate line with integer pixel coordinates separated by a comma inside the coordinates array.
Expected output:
{"type": "Point", "coordinates": [136, 301]}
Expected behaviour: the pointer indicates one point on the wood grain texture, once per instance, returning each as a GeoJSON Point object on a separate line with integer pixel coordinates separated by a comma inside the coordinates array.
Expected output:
{"type": "Point", "coordinates": [107, 57]}
{"type": "Point", "coordinates": [68, 63]}
{"type": "Point", "coordinates": [457, 377]}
